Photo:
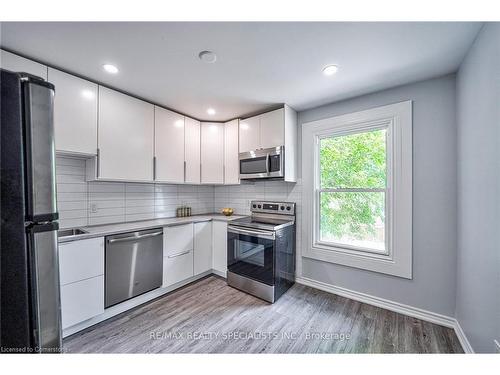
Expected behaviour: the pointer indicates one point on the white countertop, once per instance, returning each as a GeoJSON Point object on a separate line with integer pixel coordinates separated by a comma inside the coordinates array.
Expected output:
{"type": "Point", "coordinates": [108, 229]}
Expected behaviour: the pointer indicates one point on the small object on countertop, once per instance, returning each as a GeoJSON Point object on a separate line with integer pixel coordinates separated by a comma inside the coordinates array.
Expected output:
{"type": "Point", "coordinates": [227, 211]}
{"type": "Point", "coordinates": [178, 212]}
{"type": "Point", "coordinates": [188, 211]}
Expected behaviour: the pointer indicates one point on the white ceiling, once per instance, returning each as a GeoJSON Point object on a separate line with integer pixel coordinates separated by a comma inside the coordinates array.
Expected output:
{"type": "Point", "coordinates": [259, 65]}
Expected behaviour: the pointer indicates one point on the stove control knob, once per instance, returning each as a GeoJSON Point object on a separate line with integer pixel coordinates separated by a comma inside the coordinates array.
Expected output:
{"type": "Point", "coordinates": [288, 208]}
{"type": "Point", "coordinates": [282, 208]}
{"type": "Point", "coordinates": [254, 206]}
{"type": "Point", "coordinates": [259, 206]}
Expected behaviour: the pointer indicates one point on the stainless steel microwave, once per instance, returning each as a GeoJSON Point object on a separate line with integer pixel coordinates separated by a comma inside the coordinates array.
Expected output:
{"type": "Point", "coordinates": [264, 163]}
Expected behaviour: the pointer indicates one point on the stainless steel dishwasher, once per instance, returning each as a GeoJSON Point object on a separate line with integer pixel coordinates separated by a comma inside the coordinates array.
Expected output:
{"type": "Point", "coordinates": [134, 264]}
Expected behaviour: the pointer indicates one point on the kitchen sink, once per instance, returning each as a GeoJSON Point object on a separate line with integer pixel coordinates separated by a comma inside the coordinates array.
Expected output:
{"type": "Point", "coordinates": [70, 232]}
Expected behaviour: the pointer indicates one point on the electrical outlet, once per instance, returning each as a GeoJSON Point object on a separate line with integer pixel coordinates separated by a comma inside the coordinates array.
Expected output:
{"type": "Point", "coordinates": [497, 345]}
{"type": "Point", "coordinates": [93, 208]}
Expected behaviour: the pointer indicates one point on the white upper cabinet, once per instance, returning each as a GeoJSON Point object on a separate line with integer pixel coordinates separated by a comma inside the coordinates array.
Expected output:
{"type": "Point", "coordinates": [17, 63]}
{"type": "Point", "coordinates": [75, 113]}
{"type": "Point", "coordinates": [272, 129]}
{"type": "Point", "coordinates": [169, 146]}
{"type": "Point", "coordinates": [212, 153]}
{"type": "Point", "coordinates": [125, 137]}
{"type": "Point", "coordinates": [192, 150]}
{"type": "Point", "coordinates": [231, 161]}
{"type": "Point", "coordinates": [250, 134]}
{"type": "Point", "coordinates": [263, 131]}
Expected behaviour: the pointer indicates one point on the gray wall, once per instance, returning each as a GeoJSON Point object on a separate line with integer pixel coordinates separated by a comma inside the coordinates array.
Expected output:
{"type": "Point", "coordinates": [478, 275]}
{"type": "Point", "coordinates": [434, 200]}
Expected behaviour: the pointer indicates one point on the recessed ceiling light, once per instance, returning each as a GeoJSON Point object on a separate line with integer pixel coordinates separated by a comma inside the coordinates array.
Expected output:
{"type": "Point", "coordinates": [208, 56]}
{"type": "Point", "coordinates": [211, 111]}
{"type": "Point", "coordinates": [330, 70]}
{"type": "Point", "coordinates": [110, 68]}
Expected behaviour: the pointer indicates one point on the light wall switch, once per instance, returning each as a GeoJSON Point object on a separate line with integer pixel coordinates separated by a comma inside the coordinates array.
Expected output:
{"type": "Point", "coordinates": [93, 208]}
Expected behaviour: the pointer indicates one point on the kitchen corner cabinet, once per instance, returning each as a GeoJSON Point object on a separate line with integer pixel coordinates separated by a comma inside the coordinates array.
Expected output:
{"type": "Point", "coordinates": [125, 137]}
{"type": "Point", "coordinates": [75, 114]}
{"type": "Point", "coordinates": [17, 63]}
{"type": "Point", "coordinates": [202, 247]}
{"type": "Point", "coordinates": [212, 153]}
{"type": "Point", "coordinates": [81, 270]}
{"type": "Point", "coordinates": [169, 146]}
{"type": "Point", "coordinates": [192, 138]}
{"type": "Point", "coordinates": [219, 247]}
{"type": "Point", "coordinates": [231, 161]}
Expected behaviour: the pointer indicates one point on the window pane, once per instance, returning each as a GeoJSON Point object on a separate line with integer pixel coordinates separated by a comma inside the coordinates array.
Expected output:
{"type": "Point", "coordinates": [355, 219]}
{"type": "Point", "coordinates": [354, 161]}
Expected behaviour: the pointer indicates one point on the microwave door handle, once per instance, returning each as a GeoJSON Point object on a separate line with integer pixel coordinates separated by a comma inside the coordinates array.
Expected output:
{"type": "Point", "coordinates": [267, 163]}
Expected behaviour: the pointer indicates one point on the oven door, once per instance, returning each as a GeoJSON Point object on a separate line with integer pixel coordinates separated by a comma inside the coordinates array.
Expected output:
{"type": "Point", "coordinates": [266, 163]}
{"type": "Point", "coordinates": [251, 253]}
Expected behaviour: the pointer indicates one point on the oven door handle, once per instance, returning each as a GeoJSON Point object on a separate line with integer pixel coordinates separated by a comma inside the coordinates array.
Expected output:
{"type": "Point", "coordinates": [252, 232]}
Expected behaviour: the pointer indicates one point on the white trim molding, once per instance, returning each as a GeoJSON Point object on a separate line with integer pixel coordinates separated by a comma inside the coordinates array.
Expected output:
{"type": "Point", "coordinates": [396, 119]}
{"type": "Point", "coordinates": [415, 312]}
{"type": "Point", "coordinates": [467, 347]}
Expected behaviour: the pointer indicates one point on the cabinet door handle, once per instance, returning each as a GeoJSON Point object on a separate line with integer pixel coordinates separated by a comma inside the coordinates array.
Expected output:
{"type": "Point", "coordinates": [179, 254]}
{"type": "Point", "coordinates": [98, 163]}
{"type": "Point", "coordinates": [184, 171]}
{"type": "Point", "coordinates": [154, 167]}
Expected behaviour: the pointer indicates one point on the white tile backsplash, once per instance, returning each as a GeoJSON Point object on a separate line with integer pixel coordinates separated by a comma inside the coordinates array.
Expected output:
{"type": "Point", "coordinates": [83, 203]}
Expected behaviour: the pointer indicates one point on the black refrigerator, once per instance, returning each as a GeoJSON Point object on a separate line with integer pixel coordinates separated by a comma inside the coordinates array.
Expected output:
{"type": "Point", "coordinates": [30, 312]}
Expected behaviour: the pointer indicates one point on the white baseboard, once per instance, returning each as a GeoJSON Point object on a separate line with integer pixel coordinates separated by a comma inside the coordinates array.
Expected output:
{"type": "Point", "coordinates": [401, 308]}
{"type": "Point", "coordinates": [462, 338]}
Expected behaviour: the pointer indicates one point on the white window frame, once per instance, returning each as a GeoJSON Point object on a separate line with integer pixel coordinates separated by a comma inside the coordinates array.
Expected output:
{"type": "Point", "coordinates": [397, 119]}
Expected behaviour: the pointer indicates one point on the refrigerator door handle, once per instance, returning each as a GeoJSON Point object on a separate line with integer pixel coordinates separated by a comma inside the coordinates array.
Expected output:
{"type": "Point", "coordinates": [44, 260]}
{"type": "Point", "coordinates": [40, 151]}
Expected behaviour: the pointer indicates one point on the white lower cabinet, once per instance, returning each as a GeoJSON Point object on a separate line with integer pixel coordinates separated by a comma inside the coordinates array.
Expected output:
{"type": "Point", "coordinates": [82, 300]}
{"type": "Point", "coordinates": [177, 253]}
{"type": "Point", "coordinates": [177, 267]}
{"type": "Point", "coordinates": [202, 247]}
{"type": "Point", "coordinates": [81, 269]}
{"type": "Point", "coordinates": [219, 247]}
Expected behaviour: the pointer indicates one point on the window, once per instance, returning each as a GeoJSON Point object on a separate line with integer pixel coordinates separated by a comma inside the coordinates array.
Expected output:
{"type": "Point", "coordinates": [352, 190]}
{"type": "Point", "coordinates": [357, 195]}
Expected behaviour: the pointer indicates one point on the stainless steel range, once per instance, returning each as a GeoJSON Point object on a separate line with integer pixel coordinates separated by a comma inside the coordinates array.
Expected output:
{"type": "Point", "coordinates": [261, 250]}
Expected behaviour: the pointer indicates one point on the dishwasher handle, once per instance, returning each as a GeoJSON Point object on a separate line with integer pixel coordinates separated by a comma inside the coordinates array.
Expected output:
{"type": "Point", "coordinates": [135, 238]}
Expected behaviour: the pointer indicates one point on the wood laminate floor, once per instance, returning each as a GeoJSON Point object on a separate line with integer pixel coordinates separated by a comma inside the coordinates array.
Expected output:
{"type": "Point", "coordinates": [210, 317]}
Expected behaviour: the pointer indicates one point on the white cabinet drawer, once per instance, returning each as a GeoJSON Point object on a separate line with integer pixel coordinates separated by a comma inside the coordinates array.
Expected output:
{"type": "Point", "coordinates": [82, 300]}
{"type": "Point", "coordinates": [177, 239]}
{"type": "Point", "coordinates": [177, 267]}
{"type": "Point", "coordinates": [202, 247]}
{"type": "Point", "coordinates": [79, 260]}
